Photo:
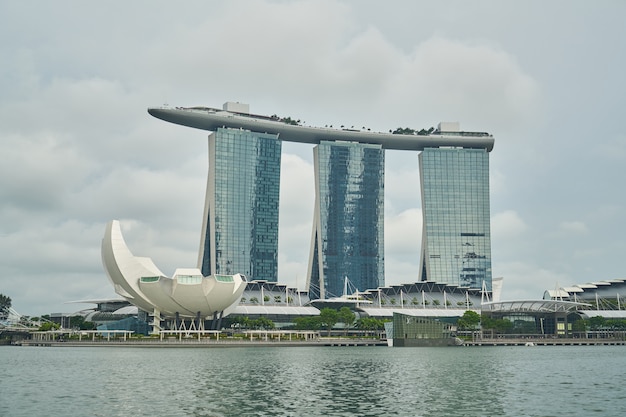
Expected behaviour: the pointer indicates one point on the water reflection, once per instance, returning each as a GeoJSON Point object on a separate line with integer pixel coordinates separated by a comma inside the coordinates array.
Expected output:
{"type": "Point", "coordinates": [350, 382]}
{"type": "Point", "coordinates": [340, 381]}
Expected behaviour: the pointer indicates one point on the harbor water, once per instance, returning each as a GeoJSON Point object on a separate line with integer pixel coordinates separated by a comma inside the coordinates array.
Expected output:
{"type": "Point", "coordinates": [313, 381]}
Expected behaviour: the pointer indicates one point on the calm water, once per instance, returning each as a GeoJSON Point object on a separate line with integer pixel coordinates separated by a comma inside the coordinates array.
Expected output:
{"type": "Point", "coordinates": [316, 381]}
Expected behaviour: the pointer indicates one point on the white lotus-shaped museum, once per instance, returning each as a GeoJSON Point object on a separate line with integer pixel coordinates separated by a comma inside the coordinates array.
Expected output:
{"type": "Point", "coordinates": [186, 294]}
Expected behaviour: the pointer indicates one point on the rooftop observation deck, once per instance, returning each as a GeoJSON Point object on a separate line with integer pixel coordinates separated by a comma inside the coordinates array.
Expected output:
{"type": "Point", "coordinates": [211, 119]}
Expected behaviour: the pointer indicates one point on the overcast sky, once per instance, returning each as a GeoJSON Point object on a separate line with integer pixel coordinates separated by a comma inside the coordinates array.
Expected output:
{"type": "Point", "coordinates": [78, 148]}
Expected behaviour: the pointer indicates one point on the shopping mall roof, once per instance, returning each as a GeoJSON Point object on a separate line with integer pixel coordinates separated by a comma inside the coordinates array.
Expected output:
{"type": "Point", "coordinates": [533, 306]}
{"type": "Point", "coordinates": [266, 310]}
{"type": "Point", "coordinates": [417, 312]}
{"type": "Point", "coordinates": [607, 314]}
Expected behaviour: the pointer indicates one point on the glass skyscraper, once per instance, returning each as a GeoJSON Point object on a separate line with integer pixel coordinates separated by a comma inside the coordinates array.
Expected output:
{"type": "Point", "coordinates": [240, 232]}
{"type": "Point", "coordinates": [348, 226]}
{"type": "Point", "coordinates": [240, 224]}
{"type": "Point", "coordinates": [456, 237]}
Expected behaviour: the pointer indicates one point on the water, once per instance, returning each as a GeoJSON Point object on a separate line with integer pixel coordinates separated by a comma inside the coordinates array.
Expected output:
{"type": "Point", "coordinates": [313, 381]}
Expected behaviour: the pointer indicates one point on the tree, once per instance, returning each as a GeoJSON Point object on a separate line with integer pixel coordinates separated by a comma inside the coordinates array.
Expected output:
{"type": "Point", "coordinates": [47, 326]}
{"type": "Point", "coordinates": [88, 325]}
{"type": "Point", "coordinates": [307, 323]}
{"type": "Point", "coordinates": [370, 324]}
{"type": "Point", "coordinates": [347, 317]}
{"type": "Point", "coordinates": [580, 325]}
{"type": "Point", "coordinates": [404, 131]}
{"type": "Point", "coordinates": [76, 321]}
{"type": "Point", "coordinates": [499, 325]}
{"type": "Point", "coordinates": [263, 323]}
{"type": "Point", "coordinates": [503, 325]}
{"type": "Point", "coordinates": [5, 305]}
{"type": "Point", "coordinates": [238, 322]}
{"type": "Point", "coordinates": [597, 322]}
{"type": "Point", "coordinates": [328, 318]}
{"type": "Point", "coordinates": [616, 324]}
{"type": "Point", "coordinates": [469, 320]}
{"type": "Point", "coordinates": [288, 120]}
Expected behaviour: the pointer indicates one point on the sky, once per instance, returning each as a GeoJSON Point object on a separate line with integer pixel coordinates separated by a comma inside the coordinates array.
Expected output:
{"type": "Point", "coordinates": [79, 149]}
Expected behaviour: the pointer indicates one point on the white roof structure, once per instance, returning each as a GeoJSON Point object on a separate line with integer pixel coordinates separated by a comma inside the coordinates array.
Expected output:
{"type": "Point", "coordinates": [557, 294]}
{"type": "Point", "coordinates": [127, 310]}
{"type": "Point", "coordinates": [573, 289]}
{"type": "Point", "coordinates": [610, 288]}
{"type": "Point", "coordinates": [187, 294]}
{"type": "Point", "coordinates": [607, 314]}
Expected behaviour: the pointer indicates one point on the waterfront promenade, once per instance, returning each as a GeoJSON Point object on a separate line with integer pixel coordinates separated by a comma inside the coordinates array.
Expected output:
{"type": "Point", "coordinates": [191, 338]}
{"type": "Point", "coordinates": [202, 343]}
{"type": "Point", "coordinates": [545, 342]}
{"type": "Point", "coordinates": [322, 341]}
{"type": "Point", "coordinates": [284, 338]}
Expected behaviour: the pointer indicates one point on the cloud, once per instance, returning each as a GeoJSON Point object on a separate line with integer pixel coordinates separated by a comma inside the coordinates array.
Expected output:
{"type": "Point", "coordinates": [527, 281]}
{"type": "Point", "coordinates": [403, 236]}
{"type": "Point", "coordinates": [295, 220]}
{"type": "Point", "coordinates": [402, 189]}
{"type": "Point", "coordinates": [79, 149]}
{"type": "Point", "coordinates": [403, 232]}
{"type": "Point", "coordinates": [449, 80]}
{"type": "Point", "coordinates": [506, 225]}
{"type": "Point", "coordinates": [575, 227]}
{"type": "Point", "coordinates": [613, 148]}
{"type": "Point", "coordinates": [497, 181]}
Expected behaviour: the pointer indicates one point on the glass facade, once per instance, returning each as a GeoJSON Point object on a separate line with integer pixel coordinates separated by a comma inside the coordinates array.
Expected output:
{"type": "Point", "coordinates": [456, 237]}
{"type": "Point", "coordinates": [417, 327]}
{"type": "Point", "coordinates": [240, 230]}
{"type": "Point", "coordinates": [348, 225]}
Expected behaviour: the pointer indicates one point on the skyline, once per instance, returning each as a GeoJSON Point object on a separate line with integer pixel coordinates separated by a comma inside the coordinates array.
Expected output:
{"type": "Point", "coordinates": [79, 148]}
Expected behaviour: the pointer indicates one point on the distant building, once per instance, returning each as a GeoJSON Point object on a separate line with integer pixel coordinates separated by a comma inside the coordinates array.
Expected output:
{"type": "Point", "coordinates": [240, 224]}
{"type": "Point", "coordinates": [456, 237]}
{"type": "Point", "coordinates": [188, 294]}
{"type": "Point", "coordinates": [601, 290]}
{"type": "Point", "coordinates": [607, 298]}
{"type": "Point", "coordinates": [348, 225]}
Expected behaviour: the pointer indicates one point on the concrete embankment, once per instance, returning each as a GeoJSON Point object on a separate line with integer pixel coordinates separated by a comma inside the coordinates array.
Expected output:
{"type": "Point", "coordinates": [194, 343]}
{"type": "Point", "coordinates": [544, 342]}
